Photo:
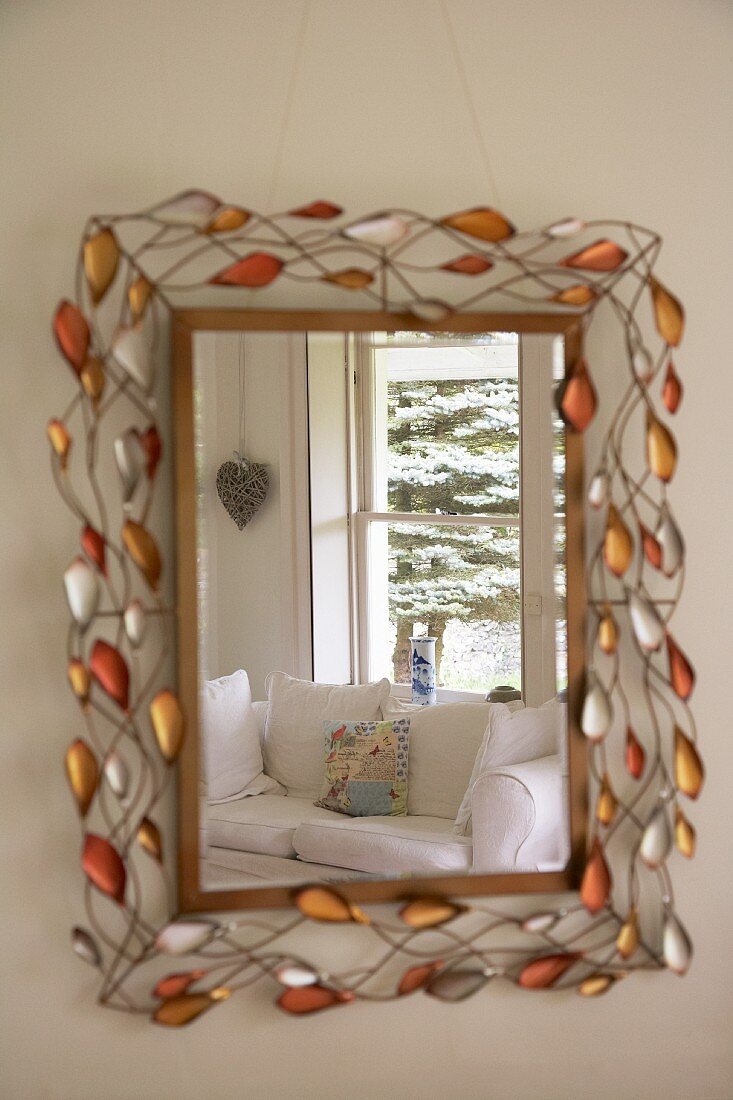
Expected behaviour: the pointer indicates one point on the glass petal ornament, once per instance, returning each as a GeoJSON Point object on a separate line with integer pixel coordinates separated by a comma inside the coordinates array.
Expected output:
{"type": "Point", "coordinates": [320, 209]}
{"type": "Point", "coordinates": [684, 834]}
{"type": "Point", "coordinates": [149, 839]}
{"type": "Point", "coordinates": [681, 672]}
{"type": "Point", "coordinates": [455, 985]}
{"type": "Point", "coordinates": [544, 971]}
{"type": "Point", "coordinates": [352, 278]}
{"type": "Point", "coordinates": [661, 449]}
{"type": "Point", "coordinates": [429, 309]}
{"type": "Point", "coordinates": [85, 946]}
{"type": "Point", "coordinates": [94, 546]}
{"type": "Point", "coordinates": [578, 295]}
{"type": "Point", "coordinates": [135, 623]}
{"type": "Point", "coordinates": [429, 912]}
{"type": "Point", "coordinates": [79, 679]}
{"type": "Point", "coordinates": [312, 998]}
{"type": "Point", "coordinates": [647, 625]}
{"type": "Point", "coordinates": [540, 922]}
{"type": "Point", "coordinates": [689, 773]}
{"type": "Point", "coordinates": [178, 1011]}
{"type": "Point", "coordinates": [577, 397]}
{"type": "Point", "coordinates": [676, 946]}
{"type": "Point", "coordinates": [93, 380]}
{"type": "Point", "coordinates": [182, 937]}
{"type": "Point", "coordinates": [228, 219]}
{"type": "Point", "coordinates": [595, 886]}
{"type": "Point", "coordinates": [325, 904]}
{"type": "Point", "coordinates": [131, 350]}
{"type": "Point", "coordinates": [82, 771]}
{"type": "Point", "coordinates": [607, 632]}
{"type": "Point", "coordinates": [82, 591]}
{"type": "Point", "coordinates": [72, 334]}
{"type": "Point", "coordinates": [296, 975]}
{"type": "Point", "coordinates": [598, 489]}
{"type": "Point", "coordinates": [596, 984]}
{"type": "Point", "coordinates": [256, 269]}
{"type": "Point", "coordinates": [656, 840]}
{"type": "Point", "coordinates": [607, 804]}
{"type": "Point", "coordinates": [643, 364]}
{"type": "Point", "coordinates": [152, 445]}
{"type": "Point", "coordinates": [138, 296]}
{"type": "Point", "coordinates": [130, 459]}
{"type": "Point", "coordinates": [417, 977]}
{"type": "Point", "coordinates": [635, 755]}
{"type": "Point", "coordinates": [627, 940]}
{"type": "Point", "coordinates": [603, 255]}
{"type": "Point", "coordinates": [60, 440]}
{"type": "Point", "coordinates": [108, 667]}
{"type": "Point", "coordinates": [173, 985]}
{"type": "Point", "coordinates": [381, 231]}
{"type": "Point", "coordinates": [650, 545]}
{"type": "Point", "coordinates": [168, 724]}
{"type": "Point", "coordinates": [103, 867]}
{"type": "Point", "coordinates": [671, 545]}
{"type": "Point", "coordinates": [193, 208]}
{"type": "Point", "coordinates": [669, 316]}
{"type": "Point", "coordinates": [116, 773]}
{"type": "Point", "coordinates": [597, 714]}
{"type": "Point", "coordinates": [618, 545]}
{"type": "Point", "coordinates": [567, 227]}
{"type": "Point", "coordinates": [143, 550]}
{"type": "Point", "coordinates": [481, 222]}
{"type": "Point", "coordinates": [470, 264]}
{"type": "Point", "coordinates": [101, 257]}
{"type": "Point", "coordinates": [672, 390]}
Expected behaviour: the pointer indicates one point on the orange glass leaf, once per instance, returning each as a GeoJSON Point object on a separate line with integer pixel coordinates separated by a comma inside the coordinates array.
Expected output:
{"type": "Point", "coordinates": [178, 1011]}
{"type": "Point", "coordinates": [103, 867]}
{"type": "Point", "coordinates": [684, 835]}
{"type": "Point", "coordinates": [669, 316]}
{"type": "Point", "coordinates": [82, 771]}
{"type": "Point", "coordinates": [579, 295]}
{"type": "Point", "coordinates": [543, 972]}
{"type": "Point", "coordinates": [607, 632]}
{"type": "Point", "coordinates": [152, 446]}
{"type": "Point", "coordinates": [595, 885]}
{"type": "Point", "coordinates": [257, 269]}
{"type": "Point", "coordinates": [228, 219]}
{"type": "Point", "coordinates": [652, 549]}
{"type": "Point", "coordinates": [60, 440]}
{"type": "Point", "coordinates": [417, 977]}
{"type": "Point", "coordinates": [108, 667]}
{"type": "Point", "coordinates": [681, 672]}
{"type": "Point", "coordinates": [661, 449]}
{"type": "Point", "coordinates": [72, 334]}
{"type": "Point", "coordinates": [618, 545]}
{"type": "Point", "coordinates": [79, 679]}
{"type": "Point", "coordinates": [168, 724]}
{"type": "Point", "coordinates": [627, 940]}
{"type": "Point", "coordinates": [173, 985]}
{"type": "Point", "coordinates": [101, 257]}
{"type": "Point", "coordinates": [470, 264]}
{"type": "Point", "coordinates": [606, 805]}
{"type": "Point", "coordinates": [323, 903]}
{"type": "Point", "coordinates": [312, 998]}
{"type": "Point", "coordinates": [635, 755]}
{"type": "Point", "coordinates": [429, 912]}
{"type": "Point", "coordinates": [143, 550]}
{"type": "Point", "coordinates": [481, 222]}
{"type": "Point", "coordinates": [672, 389]}
{"type": "Point", "coordinates": [578, 399]}
{"type": "Point", "coordinates": [319, 209]}
{"type": "Point", "coordinates": [149, 839]}
{"type": "Point", "coordinates": [138, 297]}
{"type": "Point", "coordinates": [603, 255]}
{"type": "Point", "coordinates": [95, 547]}
{"type": "Point", "coordinates": [353, 278]}
{"type": "Point", "coordinates": [689, 773]}
{"type": "Point", "coordinates": [93, 380]}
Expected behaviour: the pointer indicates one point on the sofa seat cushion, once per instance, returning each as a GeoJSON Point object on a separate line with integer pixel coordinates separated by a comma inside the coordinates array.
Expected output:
{"type": "Point", "coordinates": [385, 845]}
{"type": "Point", "coordinates": [264, 824]}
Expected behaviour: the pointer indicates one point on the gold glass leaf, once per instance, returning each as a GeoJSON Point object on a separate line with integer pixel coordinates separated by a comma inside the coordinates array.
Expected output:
{"type": "Point", "coordinates": [168, 724]}
{"type": "Point", "coordinates": [60, 440]}
{"type": "Point", "coordinates": [607, 632]}
{"type": "Point", "coordinates": [578, 295]}
{"type": "Point", "coordinates": [417, 977]}
{"type": "Point", "coordinates": [689, 773]}
{"type": "Point", "coordinates": [353, 278]}
{"type": "Point", "coordinates": [606, 805]}
{"type": "Point", "coordinates": [596, 984]}
{"type": "Point", "coordinates": [627, 940]}
{"type": "Point", "coordinates": [684, 835]}
{"type": "Point", "coordinates": [602, 255]}
{"type": "Point", "coordinates": [149, 839]}
{"type": "Point", "coordinates": [101, 256]}
{"type": "Point", "coordinates": [82, 772]}
{"type": "Point", "coordinates": [429, 912]}
{"type": "Point", "coordinates": [323, 903]}
{"type": "Point", "coordinates": [228, 219]}
{"type": "Point", "coordinates": [177, 1011]}
{"type": "Point", "coordinates": [669, 315]}
{"type": "Point", "coordinates": [618, 545]}
{"type": "Point", "coordinates": [79, 679]}
{"type": "Point", "coordinates": [481, 222]}
{"type": "Point", "coordinates": [93, 380]}
{"type": "Point", "coordinates": [595, 886]}
{"type": "Point", "coordinates": [138, 297]}
{"type": "Point", "coordinates": [143, 550]}
{"type": "Point", "coordinates": [543, 972]}
{"type": "Point", "coordinates": [661, 448]}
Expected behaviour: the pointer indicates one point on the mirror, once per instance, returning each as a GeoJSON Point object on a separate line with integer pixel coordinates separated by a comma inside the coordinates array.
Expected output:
{"type": "Point", "coordinates": [381, 606]}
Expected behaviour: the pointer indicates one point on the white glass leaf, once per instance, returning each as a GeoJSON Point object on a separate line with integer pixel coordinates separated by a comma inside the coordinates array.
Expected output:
{"type": "Point", "coordinates": [296, 975]}
{"type": "Point", "coordinates": [116, 773]}
{"type": "Point", "coordinates": [130, 459]}
{"type": "Point", "coordinates": [130, 349]}
{"type": "Point", "coordinates": [676, 946]}
{"type": "Point", "coordinates": [648, 627]}
{"type": "Point", "coordinates": [183, 936]}
{"type": "Point", "coordinates": [539, 922]}
{"type": "Point", "coordinates": [597, 715]}
{"type": "Point", "coordinates": [656, 840]}
{"type": "Point", "coordinates": [82, 591]}
{"type": "Point", "coordinates": [673, 548]}
{"type": "Point", "coordinates": [568, 227]}
{"type": "Point", "coordinates": [381, 231]}
{"type": "Point", "coordinates": [135, 623]}
{"type": "Point", "coordinates": [194, 208]}
{"type": "Point", "coordinates": [643, 364]}
{"type": "Point", "coordinates": [429, 310]}
{"type": "Point", "coordinates": [598, 490]}
{"type": "Point", "coordinates": [85, 946]}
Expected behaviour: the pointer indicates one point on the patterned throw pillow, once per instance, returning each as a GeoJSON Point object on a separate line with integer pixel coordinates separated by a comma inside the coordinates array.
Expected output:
{"type": "Point", "coordinates": [366, 768]}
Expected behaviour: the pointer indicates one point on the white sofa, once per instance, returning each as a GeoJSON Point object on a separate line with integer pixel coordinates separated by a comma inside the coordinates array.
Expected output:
{"type": "Point", "coordinates": [517, 823]}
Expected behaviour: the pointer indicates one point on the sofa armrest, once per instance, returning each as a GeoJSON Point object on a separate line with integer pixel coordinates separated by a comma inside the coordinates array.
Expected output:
{"type": "Point", "coordinates": [518, 816]}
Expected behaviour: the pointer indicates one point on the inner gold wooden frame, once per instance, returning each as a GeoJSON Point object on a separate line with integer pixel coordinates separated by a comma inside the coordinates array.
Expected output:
{"type": "Point", "coordinates": [185, 324]}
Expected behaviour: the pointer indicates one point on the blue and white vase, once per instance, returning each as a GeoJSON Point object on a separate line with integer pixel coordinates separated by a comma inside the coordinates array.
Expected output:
{"type": "Point", "coordinates": [423, 671]}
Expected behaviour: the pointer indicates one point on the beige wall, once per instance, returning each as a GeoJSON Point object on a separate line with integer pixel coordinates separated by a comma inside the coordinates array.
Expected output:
{"type": "Point", "coordinates": [588, 107]}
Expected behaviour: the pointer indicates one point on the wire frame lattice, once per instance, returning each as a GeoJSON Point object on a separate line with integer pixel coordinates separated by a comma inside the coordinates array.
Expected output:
{"type": "Point", "coordinates": [642, 742]}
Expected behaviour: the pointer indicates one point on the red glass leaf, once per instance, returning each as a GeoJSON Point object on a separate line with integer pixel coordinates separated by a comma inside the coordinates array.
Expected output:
{"type": "Point", "coordinates": [103, 867]}
{"type": "Point", "coordinates": [72, 334]}
{"type": "Point", "coordinates": [603, 255]}
{"type": "Point", "coordinates": [595, 886]}
{"type": "Point", "coordinates": [543, 972]}
{"type": "Point", "coordinates": [469, 264]}
{"type": "Point", "coordinates": [418, 976]}
{"type": "Point", "coordinates": [652, 549]}
{"type": "Point", "coordinates": [635, 755]}
{"type": "Point", "coordinates": [578, 399]}
{"type": "Point", "coordinates": [173, 985]}
{"type": "Point", "coordinates": [257, 269]}
{"type": "Point", "coordinates": [95, 547]}
{"type": "Point", "coordinates": [109, 669]}
{"type": "Point", "coordinates": [312, 998]}
{"type": "Point", "coordinates": [319, 209]}
{"type": "Point", "coordinates": [152, 445]}
{"type": "Point", "coordinates": [681, 672]}
{"type": "Point", "coordinates": [672, 390]}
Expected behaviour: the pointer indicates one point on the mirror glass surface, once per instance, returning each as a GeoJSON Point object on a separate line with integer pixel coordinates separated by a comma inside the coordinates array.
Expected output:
{"type": "Point", "coordinates": [401, 499]}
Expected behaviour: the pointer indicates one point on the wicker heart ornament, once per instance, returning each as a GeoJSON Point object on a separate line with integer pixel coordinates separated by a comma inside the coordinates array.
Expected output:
{"type": "Point", "coordinates": [242, 487]}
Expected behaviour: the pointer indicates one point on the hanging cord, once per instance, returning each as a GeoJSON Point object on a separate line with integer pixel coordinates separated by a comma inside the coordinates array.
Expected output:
{"type": "Point", "coordinates": [288, 108]}
{"type": "Point", "coordinates": [242, 382]}
{"type": "Point", "coordinates": [473, 113]}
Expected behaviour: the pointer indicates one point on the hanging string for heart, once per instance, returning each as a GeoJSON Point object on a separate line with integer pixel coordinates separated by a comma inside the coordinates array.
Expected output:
{"type": "Point", "coordinates": [241, 484]}
{"type": "Point", "coordinates": [239, 455]}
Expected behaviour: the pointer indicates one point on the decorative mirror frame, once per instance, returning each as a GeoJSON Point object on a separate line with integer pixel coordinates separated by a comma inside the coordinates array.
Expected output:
{"type": "Point", "coordinates": [110, 336]}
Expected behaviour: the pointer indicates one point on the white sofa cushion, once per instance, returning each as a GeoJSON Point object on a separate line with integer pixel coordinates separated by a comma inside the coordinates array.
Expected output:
{"type": "Point", "coordinates": [265, 824]}
{"type": "Point", "coordinates": [444, 741]}
{"type": "Point", "coordinates": [385, 845]}
{"type": "Point", "coordinates": [231, 740]}
{"type": "Point", "coordinates": [294, 740]}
